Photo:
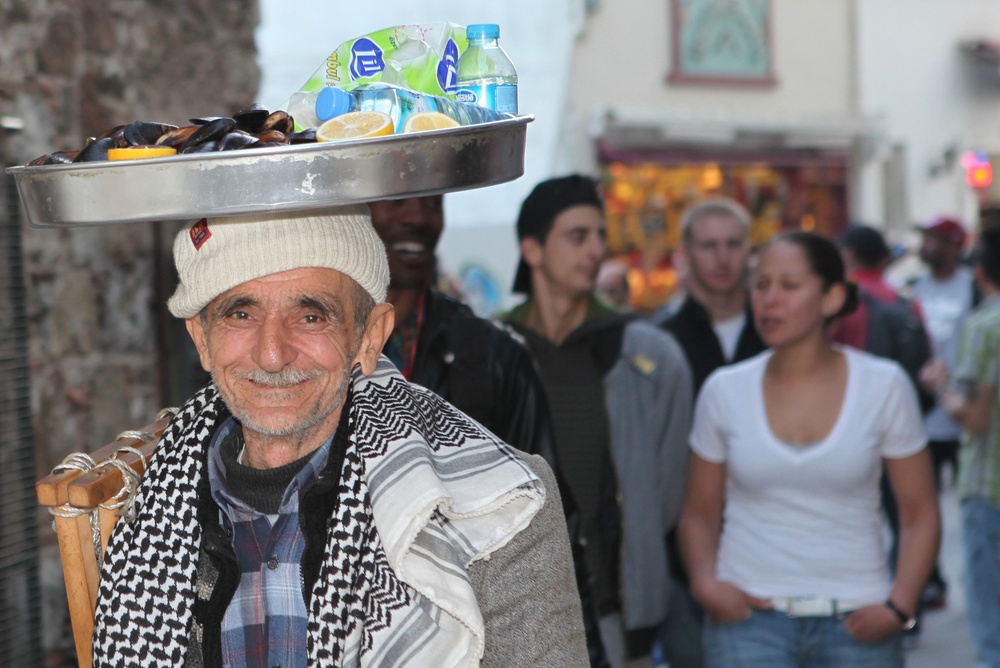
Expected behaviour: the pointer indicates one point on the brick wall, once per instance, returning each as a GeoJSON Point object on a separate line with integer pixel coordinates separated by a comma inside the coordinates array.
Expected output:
{"type": "Point", "coordinates": [72, 70]}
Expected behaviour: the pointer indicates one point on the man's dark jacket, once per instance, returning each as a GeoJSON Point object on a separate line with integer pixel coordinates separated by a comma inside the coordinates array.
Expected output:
{"type": "Point", "coordinates": [691, 325]}
{"type": "Point", "coordinates": [481, 369]}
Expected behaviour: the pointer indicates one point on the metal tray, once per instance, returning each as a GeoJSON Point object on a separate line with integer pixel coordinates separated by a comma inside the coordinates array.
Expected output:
{"type": "Point", "coordinates": [303, 176]}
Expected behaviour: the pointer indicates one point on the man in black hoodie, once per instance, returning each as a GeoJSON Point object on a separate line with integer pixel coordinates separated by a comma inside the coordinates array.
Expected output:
{"type": "Point", "coordinates": [475, 364]}
{"type": "Point", "coordinates": [715, 327]}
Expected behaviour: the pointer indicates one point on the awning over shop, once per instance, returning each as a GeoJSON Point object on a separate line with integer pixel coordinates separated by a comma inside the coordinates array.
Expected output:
{"type": "Point", "coordinates": [625, 134]}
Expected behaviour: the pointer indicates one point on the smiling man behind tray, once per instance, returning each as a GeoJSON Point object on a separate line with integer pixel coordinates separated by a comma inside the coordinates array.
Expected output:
{"type": "Point", "coordinates": [311, 507]}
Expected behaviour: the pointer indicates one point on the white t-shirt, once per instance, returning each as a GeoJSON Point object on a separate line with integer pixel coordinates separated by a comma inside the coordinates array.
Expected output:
{"type": "Point", "coordinates": [945, 305]}
{"type": "Point", "coordinates": [728, 332]}
{"type": "Point", "coordinates": [806, 520]}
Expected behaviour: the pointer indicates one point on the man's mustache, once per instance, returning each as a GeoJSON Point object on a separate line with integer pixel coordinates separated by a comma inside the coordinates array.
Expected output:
{"type": "Point", "coordinates": [283, 378]}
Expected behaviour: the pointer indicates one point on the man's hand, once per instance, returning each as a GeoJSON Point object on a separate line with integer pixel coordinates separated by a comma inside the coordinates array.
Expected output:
{"type": "Point", "coordinates": [934, 376]}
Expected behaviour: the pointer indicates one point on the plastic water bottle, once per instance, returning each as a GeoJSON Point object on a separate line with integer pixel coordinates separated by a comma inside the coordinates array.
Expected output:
{"type": "Point", "coordinates": [486, 76]}
{"type": "Point", "coordinates": [399, 103]}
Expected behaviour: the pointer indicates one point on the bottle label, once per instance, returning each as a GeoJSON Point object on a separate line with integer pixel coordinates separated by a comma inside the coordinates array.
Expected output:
{"type": "Point", "coordinates": [447, 69]}
{"type": "Point", "coordinates": [367, 59]}
{"type": "Point", "coordinates": [501, 97]}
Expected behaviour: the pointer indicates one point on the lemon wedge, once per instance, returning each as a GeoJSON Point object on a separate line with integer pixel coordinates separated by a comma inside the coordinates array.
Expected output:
{"type": "Point", "coordinates": [137, 152]}
{"type": "Point", "coordinates": [429, 120]}
{"type": "Point", "coordinates": [355, 125]}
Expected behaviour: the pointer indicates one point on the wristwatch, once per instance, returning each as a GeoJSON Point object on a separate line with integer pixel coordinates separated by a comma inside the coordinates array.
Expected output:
{"type": "Point", "coordinates": [907, 622]}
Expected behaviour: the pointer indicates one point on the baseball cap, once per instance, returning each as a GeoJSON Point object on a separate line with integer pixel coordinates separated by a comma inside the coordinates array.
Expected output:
{"type": "Point", "coordinates": [948, 228]}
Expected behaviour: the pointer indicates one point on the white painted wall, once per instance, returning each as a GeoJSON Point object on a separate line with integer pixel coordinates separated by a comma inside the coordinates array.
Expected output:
{"type": "Point", "coordinates": [624, 55]}
{"type": "Point", "coordinates": [912, 74]}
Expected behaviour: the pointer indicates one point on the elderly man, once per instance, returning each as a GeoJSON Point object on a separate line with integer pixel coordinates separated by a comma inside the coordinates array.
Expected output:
{"type": "Point", "coordinates": [311, 507]}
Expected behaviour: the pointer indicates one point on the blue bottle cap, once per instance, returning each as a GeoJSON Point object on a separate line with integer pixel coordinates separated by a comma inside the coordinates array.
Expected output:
{"type": "Point", "coordinates": [332, 102]}
{"type": "Point", "coordinates": [482, 31]}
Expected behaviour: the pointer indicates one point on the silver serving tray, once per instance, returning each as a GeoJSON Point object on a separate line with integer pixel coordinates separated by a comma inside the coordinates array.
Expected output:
{"type": "Point", "coordinates": [302, 176]}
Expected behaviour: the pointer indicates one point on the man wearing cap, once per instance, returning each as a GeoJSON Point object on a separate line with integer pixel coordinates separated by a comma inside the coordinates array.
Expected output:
{"type": "Point", "coordinates": [311, 507]}
{"type": "Point", "coordinates": [620, 394]}
{"type": "Point", "coordinates": [946, 291]}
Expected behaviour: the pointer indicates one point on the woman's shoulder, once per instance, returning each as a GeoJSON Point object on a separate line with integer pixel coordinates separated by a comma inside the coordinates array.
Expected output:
{"type": "Point", "coordinates": [872, 368]}
{"type": "Point", "coordinates": [737, 373]}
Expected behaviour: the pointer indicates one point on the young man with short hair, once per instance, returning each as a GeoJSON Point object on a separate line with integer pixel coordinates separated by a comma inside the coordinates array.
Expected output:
{"type": "Point", "coordinates": [620, 393]}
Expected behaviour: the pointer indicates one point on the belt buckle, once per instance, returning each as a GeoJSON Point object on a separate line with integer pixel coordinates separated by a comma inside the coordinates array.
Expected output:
{"type": "Point", "coordinates": [810, 607]}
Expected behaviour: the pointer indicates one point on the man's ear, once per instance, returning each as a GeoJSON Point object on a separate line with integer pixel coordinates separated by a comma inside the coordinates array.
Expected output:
{"type": "Point", "coordinates": [196, 329]}
{"type": "Point", "coordinates": [531, 251]}
{"type": "Point", "coordinates": [378, 328]}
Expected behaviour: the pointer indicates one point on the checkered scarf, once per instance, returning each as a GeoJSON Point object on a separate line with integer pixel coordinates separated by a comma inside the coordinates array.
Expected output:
{"type": "Point", "coordinates": [424, 492]}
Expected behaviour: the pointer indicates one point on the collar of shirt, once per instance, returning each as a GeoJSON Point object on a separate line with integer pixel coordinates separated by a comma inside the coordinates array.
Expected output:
{"type": "Point", "coordinates": [220, 488]}
{"type": "Point", "coordinates": [265, 622]}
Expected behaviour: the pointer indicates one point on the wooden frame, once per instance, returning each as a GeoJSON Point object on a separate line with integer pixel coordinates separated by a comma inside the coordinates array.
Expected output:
{"type": "Point", "coordinates": [83, 538]}
{"type": "Point", "coordinates": [726, 42]}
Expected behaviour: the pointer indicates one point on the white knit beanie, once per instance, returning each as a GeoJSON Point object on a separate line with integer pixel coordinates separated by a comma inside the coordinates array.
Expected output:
{"type": "Point", "coordinates": [217, 254]}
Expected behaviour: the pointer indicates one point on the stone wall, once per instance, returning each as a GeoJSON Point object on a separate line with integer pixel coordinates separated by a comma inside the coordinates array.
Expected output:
{"type": "Point", "coordinates": [72, 69]}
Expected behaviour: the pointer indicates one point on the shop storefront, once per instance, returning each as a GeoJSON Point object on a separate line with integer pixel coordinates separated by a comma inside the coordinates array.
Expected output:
{"type": "Point", "coordinates": [648, 184]}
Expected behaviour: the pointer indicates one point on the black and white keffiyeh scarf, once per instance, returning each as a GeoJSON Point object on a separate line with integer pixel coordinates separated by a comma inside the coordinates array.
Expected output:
{"type": "Point", "coordinates": [424, 492]}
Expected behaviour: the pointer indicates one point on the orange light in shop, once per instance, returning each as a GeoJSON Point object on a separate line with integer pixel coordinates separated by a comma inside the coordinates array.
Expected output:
{"type": "Point", "coordinates": [711, 177]}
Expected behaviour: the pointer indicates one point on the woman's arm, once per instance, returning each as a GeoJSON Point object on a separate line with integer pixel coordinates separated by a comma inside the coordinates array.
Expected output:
{"type": "Point", "coordinates": [912, 482]}
{"type": "Point", "coordinates": [700, 524]}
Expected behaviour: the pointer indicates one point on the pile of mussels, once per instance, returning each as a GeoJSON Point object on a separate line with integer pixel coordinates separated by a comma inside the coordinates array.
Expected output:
{"type": "Point", "coordinates": [251, 127]}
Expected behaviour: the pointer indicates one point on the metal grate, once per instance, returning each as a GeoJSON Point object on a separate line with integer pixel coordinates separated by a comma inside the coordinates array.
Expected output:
{"type": "Point", "coordinates": [20, 594]}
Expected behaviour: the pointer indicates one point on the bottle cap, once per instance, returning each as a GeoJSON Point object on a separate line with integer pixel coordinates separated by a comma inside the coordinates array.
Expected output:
{"type": "Point", "coordinates": [482, 31]}
{"type": "Point", "coordinates": [332, 102]}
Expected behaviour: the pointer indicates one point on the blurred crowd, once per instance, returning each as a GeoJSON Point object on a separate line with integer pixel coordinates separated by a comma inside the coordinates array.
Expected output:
{"type": "Point", "coordinates": [751, 471]}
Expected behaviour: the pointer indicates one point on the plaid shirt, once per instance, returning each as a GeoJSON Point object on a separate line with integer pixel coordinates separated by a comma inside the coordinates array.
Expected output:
{"type": "Point", "coordinates": [979, 362]}
{"type": "Point", "coordinates": [265, 623]}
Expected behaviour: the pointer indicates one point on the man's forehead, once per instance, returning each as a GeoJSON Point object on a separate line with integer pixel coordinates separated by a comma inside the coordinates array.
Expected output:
{"type": "Point", "coordinates": [582, 216]}
{"type": "Point", "coordinates": [293, 285]}
{"type": "Point", "coordinates": [715, 225]}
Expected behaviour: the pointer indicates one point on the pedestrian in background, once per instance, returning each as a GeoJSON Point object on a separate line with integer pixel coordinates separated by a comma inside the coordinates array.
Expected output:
{"type": "Point", "coordinates": [715, 327]}
{"type": "Point", "coordinates": [946, 291]}
{"type": "Point", "coordinates": [620, 394]}
{"type": "Point", "coordinates": [475, 364]}
{"type": "Point", "coordinates": [781, 528]}
{"type": "Point", "coordinates": [975, 405]}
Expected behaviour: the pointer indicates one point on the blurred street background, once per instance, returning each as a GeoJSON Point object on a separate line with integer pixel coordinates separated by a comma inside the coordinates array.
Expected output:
{"type": "Point", "coordinates": [812, 113]}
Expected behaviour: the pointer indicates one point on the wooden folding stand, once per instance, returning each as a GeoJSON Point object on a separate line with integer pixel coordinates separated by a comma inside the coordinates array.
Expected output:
{"type": "Point", "coordinates": [86, 494]}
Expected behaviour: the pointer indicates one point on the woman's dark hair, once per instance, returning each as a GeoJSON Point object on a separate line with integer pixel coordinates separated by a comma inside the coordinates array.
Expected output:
{"type": "Point", "coordinates": [825, 261]}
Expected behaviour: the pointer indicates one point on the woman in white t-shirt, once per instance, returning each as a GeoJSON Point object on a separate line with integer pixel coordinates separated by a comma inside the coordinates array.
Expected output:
{"type": "Point", "coordinates": [782, 530]}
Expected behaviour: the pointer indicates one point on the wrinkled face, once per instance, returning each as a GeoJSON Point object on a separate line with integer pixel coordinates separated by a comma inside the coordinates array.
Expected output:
{"type": "Point", "coordinates": [789, 301]}
{"type": "Point", "coordinates": [717, 254]}
{"type": "Point", "coordinates": [281, 348]}
{"type": "Point", "coordinates": [410, 229]}
{"type": "Point", "coordinates": [570, 258]}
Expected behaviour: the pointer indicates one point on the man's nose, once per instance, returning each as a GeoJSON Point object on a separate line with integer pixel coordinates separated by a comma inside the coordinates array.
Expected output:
{"type": "Point", "coordinates": [273, 351]}
{"type": "Point", "coordinates": [415, 212]}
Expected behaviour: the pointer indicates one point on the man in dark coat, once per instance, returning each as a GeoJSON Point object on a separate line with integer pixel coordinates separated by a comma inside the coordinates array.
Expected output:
{"type": "Point", "coordinates": [472, 362]}
{"type": "Point", "coordinates": [715, 327]}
